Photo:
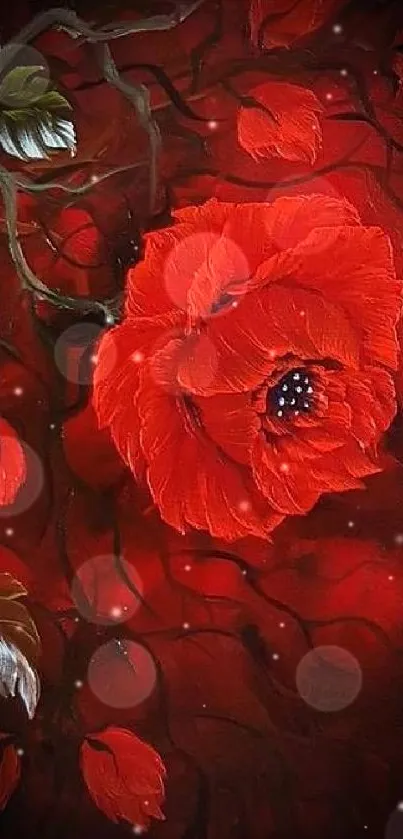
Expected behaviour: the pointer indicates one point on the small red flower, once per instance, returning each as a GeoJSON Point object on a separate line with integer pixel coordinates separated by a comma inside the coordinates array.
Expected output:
{"type": "Point", "coordinates": [12, 464]}
{"type": "Point", "coordinates": [10, 772]}
{"type": "Point", "coordinates": [283, 123]}
{"type": "Point", "coordinates": [124, 776]}
{"type": "Point", "coordinates": [251, 372]}
{"type": "Point", "coordinates": [279, 23]}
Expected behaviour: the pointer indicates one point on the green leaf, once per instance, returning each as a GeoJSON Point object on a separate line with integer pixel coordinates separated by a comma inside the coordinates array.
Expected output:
{"type": "Point", "coordinates": [23, 85]}
{"type": "Point", "coordinates": [33, 121]}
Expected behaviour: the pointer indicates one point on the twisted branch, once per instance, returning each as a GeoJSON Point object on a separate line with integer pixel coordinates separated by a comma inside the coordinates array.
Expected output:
{"type": "Point", "coordinates": [137, 95]}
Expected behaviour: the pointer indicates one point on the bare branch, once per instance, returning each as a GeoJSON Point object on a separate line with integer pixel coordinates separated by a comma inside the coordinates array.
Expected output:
{"type": "Point", "coordinates": [137, 95]}
{"type": "Point", "coordinates": [29, 280]}
{"type": "Point", "coordinates": [32, 187]}
{"type": "Point", "coordinates": [69, 22]}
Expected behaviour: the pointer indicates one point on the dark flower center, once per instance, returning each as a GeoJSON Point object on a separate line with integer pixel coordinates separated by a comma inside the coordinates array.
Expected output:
{"type": "Point", "coordinates": [292, 395]}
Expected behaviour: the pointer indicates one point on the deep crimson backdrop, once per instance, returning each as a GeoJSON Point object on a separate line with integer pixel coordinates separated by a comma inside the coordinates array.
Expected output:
{"type": "Point", "coordinates": [218, 628]}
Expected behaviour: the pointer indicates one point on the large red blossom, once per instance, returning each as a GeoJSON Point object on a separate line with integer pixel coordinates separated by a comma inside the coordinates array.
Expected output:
{"type": "Point", "coordinates": [252, 371]}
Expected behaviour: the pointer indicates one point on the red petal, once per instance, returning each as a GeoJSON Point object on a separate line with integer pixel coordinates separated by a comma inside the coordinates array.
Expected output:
{"type": "Point", "coordinates": [12, 464]}
{"type": "Point", "coordinates": [286, 484]}
{"type": "Point", "coordinates": [10, 772]}
{"type": "Point", "coordinates": [278, 23]}
{"type": "Point", "coordinates": [219, 496]}
{"type": "Point", "coordinates": [352, 267]}
{"type": "Point", "coordinates": [285, 125]}
{"type": "Point", "coordinates": [120, 355]}
{"type": "Point", "coordinates": [231, 423]}
{"type": "Point", "coordinates": [124, 776]}
{"type": "Point", "coordinates": [292, 218]}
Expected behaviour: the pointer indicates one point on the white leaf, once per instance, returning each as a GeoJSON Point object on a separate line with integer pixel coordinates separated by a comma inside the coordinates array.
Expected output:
{"type": "Point", "coordinates": [18, 677]}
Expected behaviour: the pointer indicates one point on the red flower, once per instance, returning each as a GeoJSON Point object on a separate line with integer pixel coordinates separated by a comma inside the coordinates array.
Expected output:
{"type": "Point", "coordinates": [124, 776]}
{"type": "Point", "coordinates": [251, 372]}
{"type": "Point", "coordinates": [284, 123]}
{"type": "Point", "coordinates": [279, 23]}
{"type": "Point", "coordinates": [10, 771]}
{"type": "Point", "coordinates": [12, 464]}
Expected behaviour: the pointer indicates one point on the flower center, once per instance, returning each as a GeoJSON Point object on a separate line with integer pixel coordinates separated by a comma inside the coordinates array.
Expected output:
{"type": "Point", "coordinates": [292, 395]}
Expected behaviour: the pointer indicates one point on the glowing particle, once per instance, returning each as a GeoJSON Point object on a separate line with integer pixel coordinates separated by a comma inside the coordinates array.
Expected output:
{"type": "Point", "coordinates": [137, 357]}
{"type": "Point", "coordinates": [18, 391]}
{"type": "Point", "coordinates": [244, 506]}
{"type": "Point", "coordinates": [212, 124]}
{"type": "Point", "coordinates": [9, 531]}
{"type": "Point", "coordinates": [337, 29]}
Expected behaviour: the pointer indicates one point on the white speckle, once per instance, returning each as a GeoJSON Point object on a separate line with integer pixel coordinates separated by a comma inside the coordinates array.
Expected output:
{"type": "Point", "coordinates": [351, 524]}
{"type": "Point", "coordinates": [391, 578]}
{"type": "Point", "coordinates": [296, 413]}
{"type": "Point", "coordinates": [20, 752]}
{"type": "Point", "coordinates": [116, 612]}
{"type": "Point", "coordinates": [137, 357]}
{"type": "Point", "coordinates": [284, 467]}
{"type": "Point", "coordinates": [337, 29]}
{"type": "Point", "coordinates": [306, 380]}
{"type": "Point", "coordinates": [275, 656]}
{"type": "Point", "coordinates": [296, 377]}
{"type": "Point", "coordinates": [310, 389]}
{"type": "Point", "coordinates": [78, 684]}
{"type": "Point", "coordinates": [279, 413]}
{"type": "Point", "coordinates": [299, 389]}
{"type": "Point", "coordinates": [282, 625]}
{"type": "Point", "coordinates": [329, 97]}
{"type": "Point", "coordinates": [186, 625]}
{"type": "Point", "coordinates": [204, 705]}
{"type": "Point", "coordinates": [94, 179]}
{"type": "Point", "coordinates": [281, 401]}
{"type": "Point", "coordinates": [375, 72]}
{"type": "Point", "coordinates": [244, 573]}
{"type": "Point", "coordinates": [306, 404]}
{"type": "Point", "coordinates": [52, 426]}
{"type": "Point", "coordinates": [302, 313]}
{"type": "Point", "coordinates": [212, 124]}
{"type": "Point", "coordinates": [284, 388]}
{"type": "Point", "coordinates": [18, 391]}
{"type": "Point", "coordinates": [400, 806]}
{"type": "Point", "coordinates": [399, 539]}
{"type": "Point", "coordinates": [94, 359]}
{"type": "Point", "coordinates": [188, 567]}
{"type": "Point", "coordinates": [344, 72]}
{"type": "Point", "coordinates": [9, 531]}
